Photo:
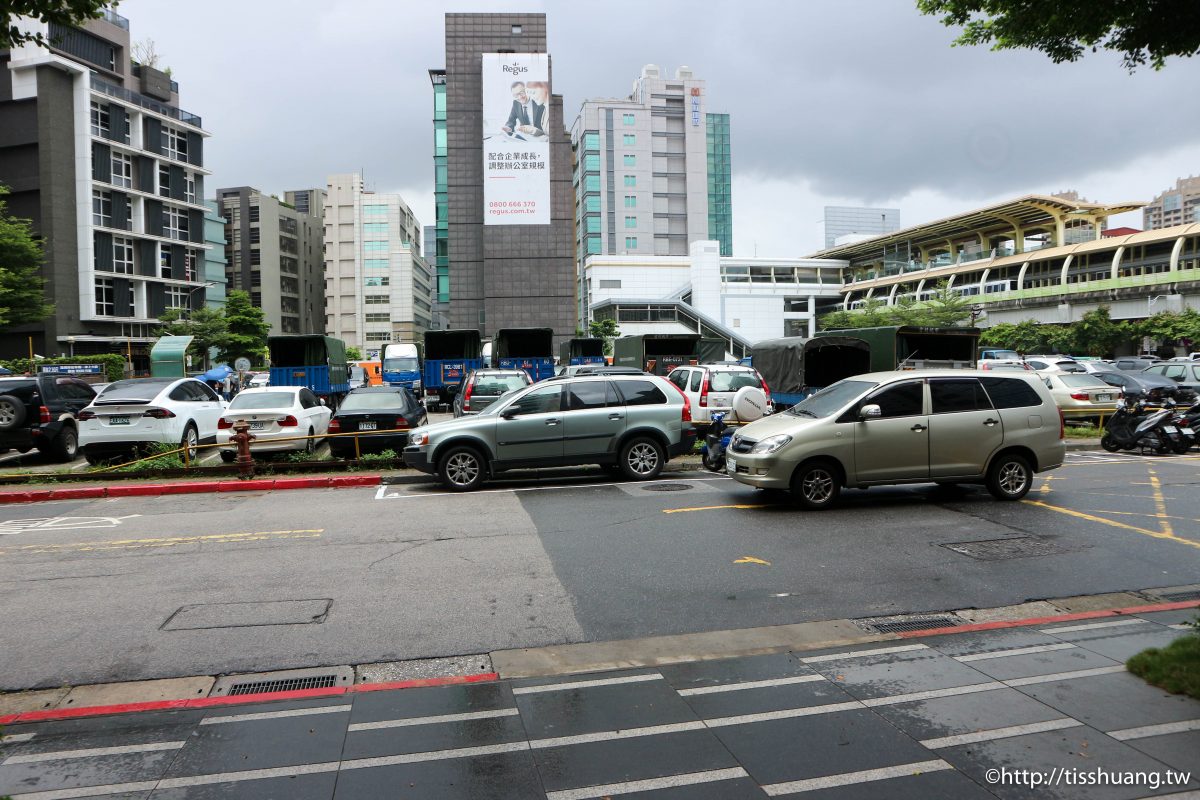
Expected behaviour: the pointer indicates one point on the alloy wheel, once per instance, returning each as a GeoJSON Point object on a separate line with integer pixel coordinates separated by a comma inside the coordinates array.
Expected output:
{"type": "Point", "coordinates": [817, 486]}
{"type": "Point", "coordinates": [8, 414]}
{"type": "Point", "coordinates": [462, 469]}
{"type": "Point", "coordinates": [1012, 478]}
{"type": "Point", "coordinates": [643, 458]}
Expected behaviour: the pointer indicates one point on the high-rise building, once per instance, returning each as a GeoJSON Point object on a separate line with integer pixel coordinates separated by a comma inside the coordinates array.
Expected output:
{"type": "Point", "coordinates": [378, 287]}
{"type": "Point", "coordinates": [437, 243]}
{"type": "Point", "coordinates": [504, 271]}
{"type": "Point", "coordinates": [99, 155]}
{"type": "Point", "coordinates": [1177, 206]}
{"type": "Point", "coordinates": [214, 257]}
{"type": "Point", "coordinates": [856, 221]}
{"type": "Point", "coordinates": [274, 252]}
{"type": "Point", "coordinates": [720, 182]}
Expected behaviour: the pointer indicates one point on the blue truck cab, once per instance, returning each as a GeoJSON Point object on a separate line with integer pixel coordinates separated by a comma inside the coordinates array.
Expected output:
{"type": "Point", "coordinates": [402, 366]}
{"type": "Point", "coordinates": [449, 357]}
{"type": "Point", "coordinates": [530, 349]}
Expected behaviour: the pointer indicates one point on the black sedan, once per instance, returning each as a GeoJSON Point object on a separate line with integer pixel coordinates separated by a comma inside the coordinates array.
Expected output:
{"type": "Point", "coordinates": [1145, 385]}
{"type": "Point", "coordinates": [383, 414]}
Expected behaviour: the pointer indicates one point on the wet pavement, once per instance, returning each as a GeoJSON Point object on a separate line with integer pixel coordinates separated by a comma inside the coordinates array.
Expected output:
{"type": "Point", "coordinates": [967, 715]}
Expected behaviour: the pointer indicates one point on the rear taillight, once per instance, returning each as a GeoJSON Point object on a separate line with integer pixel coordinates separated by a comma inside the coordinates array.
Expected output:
{"type": "Point", "coordinates": [704, 393]}
{"type": "Point", "coordinates": [158, 413]}
{"type": "Point", "coordinates": [289, 422]}
{"type": "Point", "coordinates": [224, 424]}
{"type": "Point", "coordinates": [44, 414]}
{"type": "Point", "coordinates": [335, 426]}
{"type": "Point", "coordinates": [1079, 395]}
{"type": "Point", "coordinates": [766, 391]}
{"type": "Point", "coordinates": [401, 423]}
{"type": "Point", "coordinates": [467, 397]}
{"type": "Point", "coordinates": [687, 404]}
{"type": "Point", "coordinates": [84, 416]}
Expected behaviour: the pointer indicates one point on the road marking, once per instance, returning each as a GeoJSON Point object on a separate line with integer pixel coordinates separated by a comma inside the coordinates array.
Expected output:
{"type": "Point", "coordinates": [1156, 730]}
{"type": "Point", "coordinates": [403, 723]}
{"type": "Point", "coordinates": [1093, 518]}
{"type": "Point", "coordinates": [1065, 676]}
{"type": "Point", "coordinates": [1001, 733]}
{"type": "Point", "coordinates": [295, 712]}
{"type": "Point", "coordinates": [560, 687]}
{"type": "Point", "coordinates": [1160, 504]}
{"type": "Point", "coordinates": [932, 694]}
{"type": "Point", "coordinates": [879, 651]}
{"type": "Point", "coordinates": [11, 526]}
{"type": "Point", "coordinates": [15, 738]}
{"type": "Point", "coordinates": [580, 485]}
{"type": "Point", "coordinates": [247, 775]}
{"type": "Point", "coordinates": [63, 755]}
{"type": "Point", "coordinates": [714, 508]}
{"type": "Point", "coordinates": [669, 782]}
{"type": "Point", "coordinates": [173, 541]}
{"type": "Point", "coordinates": [737, 687]}
{"type": "Point", "coordinates": [89, 791]}
{"type": "Point", "coordinates": [1142, 514]}
{"type": "Point", "coordinates": [1091, 626]}
{"type": "Point", "coordinates": [787, 713]}
{"type": "Point", "coordinates": [433, 755]}
{"type": "Point", "coordinates": [1019, 651]}
{"type": "Point", "coordinates": [751, 560]}
{"type": "Point", "coordinates": [609, 736]}
{"type": "Point", "coordinates": [850, 778]}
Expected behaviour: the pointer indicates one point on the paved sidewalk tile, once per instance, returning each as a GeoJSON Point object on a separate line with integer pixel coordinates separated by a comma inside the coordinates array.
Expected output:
{"type": "Point", "coordinates": [429, 701]}
{"type": "Point", "coordinates": [990, 641]}
{"type": "Point", "coordinates": [503, 776]}
{"type": "Point", "coordinates": [940, 785]}
{"type": "Point", "coordinates": [898, 673]}
{"type": "Point", "coordinates": [1124, 644]}
{"type": "Point", "coordinates": [966, 713]}
{"type": "Point", "coordinates": [571, 712]}
{"type": "Point", "coordinates": [1180, 751]}
{"type": "Point", "coordinates": [1114, 702]}
{"type": "Point", "coordinates": [1024, 665]}
{"type": "Point", "coordinates": [1177, 617]}
{"type": "Point", "coordinates": [696, 674]}
{"type": "Point", "coordinates": [292, 787]}
{"type": "Point", "coordinates": [738, 789]}
{"type": "Point", "coordinates": [235, 746]}
{"type": "Point", "coordinates": [764, 699]}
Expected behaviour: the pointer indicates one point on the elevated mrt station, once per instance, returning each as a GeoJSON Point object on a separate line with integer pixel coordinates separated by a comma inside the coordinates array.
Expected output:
{"type": "Point", "coordinates": [1037, 257]}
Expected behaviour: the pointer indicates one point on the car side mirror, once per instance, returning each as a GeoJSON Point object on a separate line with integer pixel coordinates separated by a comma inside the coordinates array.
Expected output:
{"type": "Point", "coordinates": [509, 413]}
{"type": "Point", "coordinates": [321, 400]}
{"type": "Point", "coordinates": [871, 411]}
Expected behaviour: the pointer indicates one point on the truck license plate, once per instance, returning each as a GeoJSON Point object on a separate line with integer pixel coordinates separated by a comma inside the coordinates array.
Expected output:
{"type": "Point", "coordinates": [118, 420]}
{"type": "Point", "coordinates": [366, 426]}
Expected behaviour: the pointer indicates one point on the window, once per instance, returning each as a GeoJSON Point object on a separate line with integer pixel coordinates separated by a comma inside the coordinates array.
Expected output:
{"type": "Point", "coordinates": [544, 400]}
{"type": "Point", "coordinates": [630, 242]}
{"type": "Point", "coordinates": [631, 222]}
{"type": "Point", "coordinates": [628, 119]}
{"type": "Point", "coordinates": [592, 203]}
{"type": "Point", "coordinates": [587, 394]}
{"type": "Point", "coordinates": [122, 170]}
{"type": "Point", "coordinates": [631, 201]}
{"type": "Point", "coordinates": [371, 247]}
{"type": "Point", "coordinates": [122, 255]}
{"type": "Point", "coordinates": [101, 208]}
{"type": "Point", "coordinates": [631, 180]}
{"type": "Point", "coordinates": [164, 180]}
{"type": "Point", "coordinates": [697, 379]}
{"type": "Point", "coordinates": [679, 377]}
{"type": "Point", "coordinates": [593, 244]}
{"type": "Point", "coordinates": [99, 119]}
{"type": "Point", "coordinates": [191, 263]}
{"type": "Point", "coordinates": [375, 210]}
{"type": "Point", "coordinates": [591, 141]}
{"type": "Point", "coordinates": [591, 183]}
{"type": "Point", "coordinates": [376, 299]}
{"type": "Point", "coordinates": [255, 235]}
{"type": "Point", "coordinates": [517, 30]}
{"type": "Point", "coordinates": [175, 143]}
{"type": "Point", "coordinates": [954, 395]}
{"type": "Point", "coordinates": [378, 336]}
{"type": "Point", "coordinates": [106, 305]}
{"type": "Point", "coordinates": [902, 400]}
{"type": "Point", "coordinates": [629, 139]}
{"type": "Point", "coordinates": [383, 281]}
{"type": "Point", "coordinates": [640, 393]}
{"type": "Point", "coordinates": [189, 188]}
{"type": "Point", "coordinates": [375, 263]}
{"type": "Point", "coordinates": [254, 213]}
{"type": "Point", "coordinates": [165, 262]}
{"type": "Point", "coordinates": [375, 229]}
{"type": "Point", "coordinates": [378, 317]}
{"type": "Point", "coordinates": [1011, 393]}
{"type": "Point", "coordinates": [591, 162]}
{"type": "Point", "coordinates": [629, 160]}
{"type": "Point", "coordinates": [176, 297]}
{"type": "Point", "coordinates": [175, 224]}
{"type": "Point", "coordinates": [610, 284]}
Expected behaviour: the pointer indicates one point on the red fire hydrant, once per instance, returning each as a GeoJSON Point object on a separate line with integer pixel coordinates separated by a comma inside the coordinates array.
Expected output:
{"type": "Point", "coordinates": [242, 437]}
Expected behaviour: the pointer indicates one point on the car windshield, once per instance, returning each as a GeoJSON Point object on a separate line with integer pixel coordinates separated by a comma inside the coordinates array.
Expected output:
{"type": "Point", "coordinates": [831, 399]}
{"type": "Point", "coordinates": [251, 400]}
{"type": "Point", "coordinates": [142, 389]}
{"type": "Point", "coordinates": [371, 401]}
{"type": "Point", "coordinates": [1070, 366]}
{"type": "Point", "coordinates": [1082, 381]}
{"type": "Point", "coordinates": [1002, 355]}
{"type": "Point", "coordinates": [407, 364]}
{"type": "Point", "coordinates": [732, 381]}
{"type": "Point", "coordinates": [497, 384]}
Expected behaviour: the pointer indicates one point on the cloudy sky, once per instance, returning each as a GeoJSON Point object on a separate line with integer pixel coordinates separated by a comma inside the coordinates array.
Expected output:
{"type": "Point", "coordinates": [856, 102]}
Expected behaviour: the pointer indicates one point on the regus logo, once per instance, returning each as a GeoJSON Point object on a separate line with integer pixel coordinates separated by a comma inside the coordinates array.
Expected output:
{"type": "Point", "coordinates": [515, 69]}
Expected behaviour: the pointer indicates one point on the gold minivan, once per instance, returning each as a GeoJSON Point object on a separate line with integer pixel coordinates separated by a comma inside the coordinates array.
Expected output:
{"type": "Point", "coordinates": [910, 426]}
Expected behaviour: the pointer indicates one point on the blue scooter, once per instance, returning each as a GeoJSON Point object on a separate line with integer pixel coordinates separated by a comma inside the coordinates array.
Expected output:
{"type": "Point", "coordinates": [715, 443]}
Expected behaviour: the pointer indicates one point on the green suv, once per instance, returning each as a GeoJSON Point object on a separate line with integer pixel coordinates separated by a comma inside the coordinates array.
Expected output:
{"type": "Point", "coordinates": [630, 424]}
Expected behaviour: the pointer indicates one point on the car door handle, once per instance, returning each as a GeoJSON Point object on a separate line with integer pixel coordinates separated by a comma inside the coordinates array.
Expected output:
{"type": "Point", "coordinates": [990, 422]}
{"type": "Point", "coordinates": [616, 416]}
{"type": "Point", "coordinates": [551, 422]}
{"type": "Point", "coordinates": [918, 427]}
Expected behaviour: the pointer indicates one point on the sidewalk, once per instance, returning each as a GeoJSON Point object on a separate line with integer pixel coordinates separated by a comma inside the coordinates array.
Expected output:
{"type": "Point", "coordinates": [959, 715]}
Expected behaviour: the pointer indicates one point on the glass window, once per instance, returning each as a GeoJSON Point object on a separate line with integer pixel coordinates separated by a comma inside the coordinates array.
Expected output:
{"type": "Point", "coordinates": [248, 400]}
{"type": "Point", "coordinates": [593, 244]}
{"type": "Point", "coordinates": [122, 170]}
{"type": "Point", "coordinates": [494, 385]}
{"type": "Point", "coordinates": [122, 255]}
{"type": "Point", "coordinates": [101, 208]}
{"type": "Point", "coordinates": [697, 380]}
{"type": "Point", "coordinates": [592, 203]}
{"type": "Point", "coordinates": [375, 210]}
{"type": "Point", "coordinates": [175, 144]}
{"type": "Point", "coordinates": [591, 183]}
{"type": "Point", "coordinates": [732, 381]}
{"type": "Point", "coordinates": [628, 119]}
{"type": "Point", "coordinates": [587, 394]}
{"type": "Point", "coordinates": [376, 263]}
{"type": "Point", "coordinates": [175, 224]}
{"type": "Point", "coordinates": [957, 394]}
{"type": "Point", "coordinates": [629, 160]}
{"type": "Point", "coordinates": [903, 400]}
{"type": "Point", "coordinates": [610, 284]}
{"type": "Point", "coordinates": [376, 299]}
{"type": "Point", "coordinates": [679, 377]}
{"type": "Point", "coordinates": [380, 281]}
{"type": "Point", "coordinates": [189, 188]}
{"type": "Point", "coordinates": [629, 139]}
{"type": "Point", "coordinates": [165, 262]}
{"type": "Point", "coordinates": [544, 400]}
{"type": "Point", "coordinates": [1011, 393]}
{"type": "Point", "coordinates": [378, 336]}
{"type": "Point", "coordinates": [591, 162]}
{"type": "Point", "coordinates": [591, 141]}
{"type": "Point", "coordinates": [375, 229]}
{"type": "Point", "coordinates": [105, 298]}
{"type": "Point", "coordinates": [640, 393]}
{"type": "Point", "coordinates": [631, 222]}
{"type": "Point", "coordinates": [386, 317]}
{"type": "Point", "coordinates": [176, 297]}
{"type": "Point", "coordinates": [99, 119]}
{"type": "Point", "coordinates": [631, 180]}
{"type": "Point", "coordinates": [373, 401]}
{"type": "Point", "coordinates": [630, 242]}
{"type": "Point", "coordinates": [631, 201]}
{"type": "Point", "coordinates": [592, 224]}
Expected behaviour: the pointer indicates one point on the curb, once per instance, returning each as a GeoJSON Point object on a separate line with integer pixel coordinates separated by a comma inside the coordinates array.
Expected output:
{"type": "Point", "coordinates": [194, 487]}
{"type": "Point", "coordinates": [1109, 612]}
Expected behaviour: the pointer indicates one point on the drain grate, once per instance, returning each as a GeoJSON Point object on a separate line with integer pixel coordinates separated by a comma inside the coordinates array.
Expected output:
{"type": "Point", "coordinates": [1175, 597]}
{"type": "Point", "coordinates": [283, 681]}
{"type": "Point", "coordinates": [909, 624]}
{"type": "Point", "coordinates": [1001, 549]}
{"type": "Point", "coordinates": [668, 487]}
{"type": "Point", "coordinates": [287, 685]}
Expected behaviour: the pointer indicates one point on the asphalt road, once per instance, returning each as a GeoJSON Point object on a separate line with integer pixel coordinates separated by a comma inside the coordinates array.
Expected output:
{"type": "Point", "coordinates": [128, 589]}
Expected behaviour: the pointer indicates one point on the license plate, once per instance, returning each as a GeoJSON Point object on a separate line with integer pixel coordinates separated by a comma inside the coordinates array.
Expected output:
{"type": "Point", "coordinates": [730, 464]}
{"type": "Point", "coordinates": [1187, 431]}
{"type": "Point", "coordinates": [366, 426]}
{"type": "Point", "coordinates": [1104, 398]}
{"type": "Point", "coordinates": [257, 426]}
{"type": "Point", "coordinates": [118, 420]}
{"type": "Point", "coordinates": [1170, 429]}
{"type": "Point", "coordinates": [719, 404]}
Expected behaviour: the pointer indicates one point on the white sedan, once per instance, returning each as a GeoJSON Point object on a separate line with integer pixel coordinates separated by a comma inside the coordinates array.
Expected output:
{"type": "Point", "coordinates": [141, 411]}
{"type": "Point", "coordinates": [274, 413]}
{"type": "Point", "coordinates": [1082, 395]}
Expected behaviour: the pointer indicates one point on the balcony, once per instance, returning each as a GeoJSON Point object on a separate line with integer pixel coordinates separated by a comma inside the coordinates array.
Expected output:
{"type": "Point", "coordinates": [104, 87]}
{"type": "Point", "coordinates": [108, 15]}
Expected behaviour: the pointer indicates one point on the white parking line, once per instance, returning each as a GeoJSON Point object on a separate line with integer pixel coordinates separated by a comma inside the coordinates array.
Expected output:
{"type": "Point", "coordinates": [62, 755]}
{"type": "Point", "coordinates": [849, 778]}
{"type": "Point", "coordinates": [932, 694]}
{"type": "Point", "coordinates": [560, 687]}
{"type": "Point", "coordinates": [1156, 730]}
{"type": "Point", "coordinates": [786, 713]}
{"type": "Point", "coordinates": [879, 651]}
{"type": "Point", "coordinates": [14, 738]}
{"type": "Point", "coordinates": [1018, 651]}
{"type": "Point", "coordinates": [1000, 733]}
{"type": "Point", "coordinates": [608, 736]}
{"type": "Point", "coordinates": [295, 712]}
{"type": "Point", "coordinates": [385, 494]}
{"type": "Point", "coordinates": [735, 687]}
{"type": "Point", "coordinates": [434, 755]}
{"type": "Point", "coordinates": [669, 782]}
{"type": "Point", "coordinates": [1091, 626]}
{"type": "Point", "coordinates": [403, 723]}
{"type": "Point", "coordinates": [1065, 676]}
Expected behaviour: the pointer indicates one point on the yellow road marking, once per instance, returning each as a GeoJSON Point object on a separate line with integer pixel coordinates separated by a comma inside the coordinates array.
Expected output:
{"type": "Point", "coordinates": [1112, 522]}
{"type": "Point", "coordinates": [1142, 514]}
{"type": "Point", "coordinates": [1163, 523]}
{"type": "Point", "coordinates": [710, 508]}
{"type": "Point", "coordinates": [1045, 487]}
{"type": "Point", "coordinates": [132, 544]}
{"type": "Point", "coordinates": [751, 560]}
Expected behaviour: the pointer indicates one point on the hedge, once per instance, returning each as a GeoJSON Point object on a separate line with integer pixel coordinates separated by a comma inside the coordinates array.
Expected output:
{"type": "Point", "coordinates": [114, 364]}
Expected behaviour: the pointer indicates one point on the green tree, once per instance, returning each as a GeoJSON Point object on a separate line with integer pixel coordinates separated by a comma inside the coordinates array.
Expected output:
{"type": "Point", "coordinates": [22, 290]}
{"type": "Point", "coordinates": [353, 353]}
{"type": "Point", "coordinates": [1096, 334]}
{"type": "Point", "coordinates": [207, 326]}
{"type": "Point", "coordinates": [71, 13]}
{"type": "Point", "coordinates": [944, 309]}
{"type": "Point", "coordinates": [247, 329]}
{"type": "Point", "coordinates": [1142, 31]}
{"type": "Point", "coordinates": [605, 329]}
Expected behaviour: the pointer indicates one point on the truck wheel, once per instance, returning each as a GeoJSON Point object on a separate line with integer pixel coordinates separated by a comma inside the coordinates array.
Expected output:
{"type": "Point", "coordinates": [1010, 477]}
{"type": "Point", "coordinates": [65, 446]}
{"type": "Point", "coordinates": [642, 459]}
{"type": "Point", "coordinates": [461, 469]}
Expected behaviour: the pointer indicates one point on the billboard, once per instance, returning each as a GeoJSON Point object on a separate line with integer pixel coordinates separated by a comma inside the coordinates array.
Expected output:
{"type": "Point", "coordinates": [516, 139]}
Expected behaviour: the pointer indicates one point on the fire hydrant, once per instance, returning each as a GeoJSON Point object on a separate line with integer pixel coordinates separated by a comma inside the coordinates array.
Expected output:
{"type": "Point", "coordinates": [242, 438]}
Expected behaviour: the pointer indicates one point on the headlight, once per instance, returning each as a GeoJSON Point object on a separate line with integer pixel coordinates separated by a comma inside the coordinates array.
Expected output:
{"type": "Point", "coordinates": [418, 439]}
{"type": "Point", "coordinates": [417, 384]}
{"type": "Point", "coordinates": [771, 444]}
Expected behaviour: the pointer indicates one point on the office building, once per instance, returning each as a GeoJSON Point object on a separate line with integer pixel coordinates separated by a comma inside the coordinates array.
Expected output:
{"type": "Point", "coordinates": [378, 286]}
{"type": "Point", "coordinates": [1177, 206]}
{"type": "Point", "coordinates": [437, 236]}
{"type": "Point", "coordinates": [274, 252]}
{"type": "Point", "coordinates": [100, 156]}
{"type": "Point", "coordinates": [845, 224]}
{"type": "Point", "coordinates": [510, 269]}
{"type": "Point", "coordinates": [214, 257]}
{"type": "Point", "coordinates": [720, 182]}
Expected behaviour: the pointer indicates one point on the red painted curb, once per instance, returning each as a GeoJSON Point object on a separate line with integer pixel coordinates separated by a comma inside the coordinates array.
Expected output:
{"type": "Point", "coordinates": [419, 682]}
{"type": "Point", "coordinates": [91, 711]}
{"type": "Point", "coordinates": [1017, 623]}
{"type": "Point", "coordinates": [242, 699]}
{"type": "Point", "coordinates": [83, 493]}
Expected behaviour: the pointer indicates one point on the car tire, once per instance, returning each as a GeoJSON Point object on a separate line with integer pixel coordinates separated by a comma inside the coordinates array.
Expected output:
{"type": "Point", "coordinates": [816, 485]}
{"type": "Point", "coordinates": [462, 469]}
{"type": "Point", "coordinates": [65, 446]}
{"type": "Point", "coordinates": [310, 445]}
{"type": "Point", "coordinates": [190, 440]}
{"type": "Point", "coordinates": [12, 412]}
{"type": "Point", "coordinates": [1009, 477]}
{"type": "Point", "coordinates": [228, 456]}
{"type": "Point", "coordinates": [642, 459]}
{"type": "Point", "coordinates": [1109, 443]}
{"type": "Point", "coordinates": [95, 459]}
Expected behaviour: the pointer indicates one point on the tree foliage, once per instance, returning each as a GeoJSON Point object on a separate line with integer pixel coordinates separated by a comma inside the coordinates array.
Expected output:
{"type": "Point", "coordinates": [1095, 334]}
{"type": "Point", "coordinates": [353, 353]}
{"type": "Point", "coordinates": [70, 13]}
{"type": "Point", "coordinates": [605, 329]}
{"type": "Point", "coordinates": [207, 326]}
{"type": "Point", "coordinates": [22, 290]}
{"type": "Point", "coordinates": [944, 309]}
{"type": "Point", "coordinates": [1142, 31]}
{"type": "Point", "coordinates": [247, 329]}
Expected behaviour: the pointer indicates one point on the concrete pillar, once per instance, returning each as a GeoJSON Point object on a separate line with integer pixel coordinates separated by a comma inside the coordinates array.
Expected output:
{"type": "Point", "coordinates": [1116, 262]}
{"type": "Point", "coordinates": [1175, 254]}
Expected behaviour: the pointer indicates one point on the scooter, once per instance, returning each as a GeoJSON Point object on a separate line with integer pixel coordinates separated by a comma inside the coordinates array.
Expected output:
{"type": "Point", "coordinates": [1187, 422]}
{"type": "Point", "coordinates": [715, 443]}
{"type": "Point", "coordinates": [1137, 429]}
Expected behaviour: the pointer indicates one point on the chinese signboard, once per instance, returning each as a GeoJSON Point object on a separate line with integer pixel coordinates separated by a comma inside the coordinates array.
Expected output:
{"type": "Point", "coordinates": [516, 139]}
{"type": "Point", "coordinates": [71, 369]}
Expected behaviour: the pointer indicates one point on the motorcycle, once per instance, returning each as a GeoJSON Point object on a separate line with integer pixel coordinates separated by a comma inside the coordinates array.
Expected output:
{"type": "Point", "coordinates": [1186, 421]}
{"type": "Point", "coordinates": [1139, 428]}
{"type": "Point", "coordinates": [716, 441]}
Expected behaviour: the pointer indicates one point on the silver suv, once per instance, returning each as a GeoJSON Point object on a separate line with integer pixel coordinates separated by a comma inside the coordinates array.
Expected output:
{"type": "Point", "coordinates": [631, 424]}
{"type": "Point", "coordinates": [915, 426]}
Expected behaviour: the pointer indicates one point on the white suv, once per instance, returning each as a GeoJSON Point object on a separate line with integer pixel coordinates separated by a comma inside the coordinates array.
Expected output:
{"type": "Point", "coordinates": [711, 387]}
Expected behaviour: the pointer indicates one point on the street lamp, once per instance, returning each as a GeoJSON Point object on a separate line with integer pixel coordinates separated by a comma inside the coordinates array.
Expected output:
{"type": "Point", "coordinates": [71, 344]}
{"type": "Point", "coordinates": [976, 312]}
{"type": "Point", "coordinates": [191, 291]}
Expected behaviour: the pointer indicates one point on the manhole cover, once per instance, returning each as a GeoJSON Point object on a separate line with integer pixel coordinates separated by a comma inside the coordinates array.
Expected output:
{"type": "Point", "coordinates": [909, 624]}
{"type": "Point", "coordinates": [1001, 549]}
{"type": "Point", "coordinates": [282, 681]}
{"type": "Point", "coordinates": [668, 487]}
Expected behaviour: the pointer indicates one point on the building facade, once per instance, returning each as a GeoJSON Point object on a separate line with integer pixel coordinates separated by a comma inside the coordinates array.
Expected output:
{"type": "Point", "coordinates": [858, 222]}
{"type": "Point", "coordinates": [274, 252]}
{"type": "Point", "coordinates": [501, 276]}
{"type": "Point", "coordinates": [99, 155]}
{"type": "Point", "coordinates": [378, 286]}
{"type": "Point", "coordinates": [720, 182]}
{"type": "Point", "coordinates": [215, 278]}
{"type": "Point", "coordinates": [1177, 206]}
{"type": "Point", "coordinates": [437, 236]}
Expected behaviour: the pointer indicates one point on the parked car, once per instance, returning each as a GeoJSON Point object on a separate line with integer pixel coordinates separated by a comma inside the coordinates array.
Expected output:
{"type": "Point", "coordinates": [1131, 364]}
{"type": "Point", "coordinates": [1184, 374]}
{"type": "Point", "coordinates": [996, 365]}
{"type": "Point", "coordinates": [918, 426]}
{"type": "Point", "coordinates": [42, 411]}
{"type": "Point", "coordinates": [711, 387]}
{"type": "Point", "coordinates": [132, 413]}
{"type": "Point", "coordinates": [630, 424]}
{"type": "Point", "coordinates": [482, 387]}
{"type": "Point", "coordinates": [1097, 365]}
{"type": "Point", "coordinates": [998, 354]}
{"type": "Point", "coordinates": [274, 413]}
{"type": "Point", "coordinates": [1144, 386]}
{"type": "Point", "coordinates": [1080, 395]}
{"type": "Point", "coordinates": [394, 410]}
{"type": "Point", "coordinates": [1054, 364]}
{"type": "Point", "coordinates": [607, 369]}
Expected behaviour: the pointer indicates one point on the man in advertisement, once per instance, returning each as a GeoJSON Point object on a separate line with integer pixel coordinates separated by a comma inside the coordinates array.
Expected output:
{"type": "Point", "coordinates": [516, 142]}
